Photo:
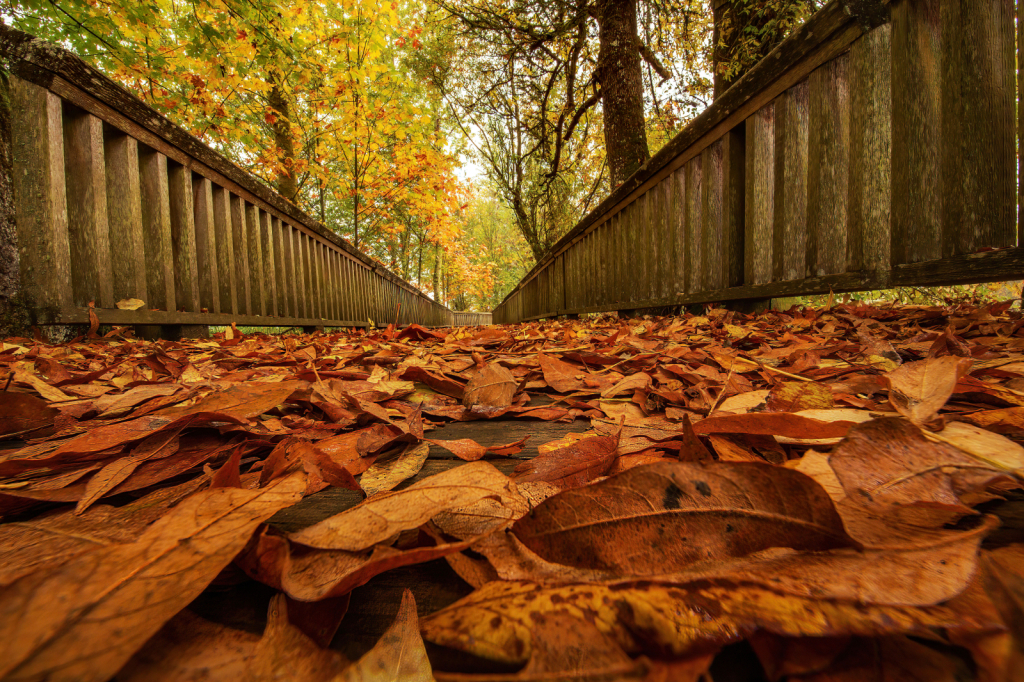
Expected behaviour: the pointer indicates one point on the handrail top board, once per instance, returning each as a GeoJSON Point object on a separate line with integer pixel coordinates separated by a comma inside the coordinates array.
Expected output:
{"type": "Point", "coordinates": [43, 63]}
{"type": "Point", "coordinates": [830, 20]}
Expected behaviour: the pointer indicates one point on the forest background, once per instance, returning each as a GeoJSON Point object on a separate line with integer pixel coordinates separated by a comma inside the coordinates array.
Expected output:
{"type": "Point", "coordinates": [452, 140]}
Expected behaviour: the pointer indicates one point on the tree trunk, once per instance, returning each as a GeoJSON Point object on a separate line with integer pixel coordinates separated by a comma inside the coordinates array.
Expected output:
{"type": "Point", "coordinates": [621, 79]}
{"type": "Point", "coordinates": [286, 184]}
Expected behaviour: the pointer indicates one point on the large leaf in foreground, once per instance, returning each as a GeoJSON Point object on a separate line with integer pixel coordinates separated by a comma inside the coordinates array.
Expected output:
{"type": "Point", "coordinates": [661, 517]}
{"type": "Point", "coordinates": [399, 656]}
{"type": "Point", "coordinates": [85, 618]}
{"type": "Point", "coordinates": [496, 620]}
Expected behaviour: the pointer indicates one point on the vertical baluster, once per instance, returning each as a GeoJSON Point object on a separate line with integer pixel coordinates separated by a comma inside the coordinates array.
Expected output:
{"type": "Point", "coordinates": [88, 235]}
{"type": "Point", "coordinates": [828, 167]}
{"type": "Point", "coordinates": [240, 241]}
{"type": "Point", "coordinates": [978, 140]}
{"type": "Point", "coordinates": [869, 244]}
{"type": "Point", "coordinates": [760, 199]}
{"type": "Point", "coordinates": [694, 224]}
{"type": "Point", "coordinates": [789, 245]}
{"type": "Point", "coordinates": [283, 270]}
{"type": "Point", "coordinates": [734, 166]}
{"type": "Point", "coordinates": [37, 140]}
{"type": "Point", "coordinates": [711, 217]}
{"type": "Point", "coordinates": [156, 229]}
{"type": "Point", "coordinates": [681, 264]}
{"type": "Point", "coordinates": [225, 251]}
{"type": "Point", "coordinates": [256, 264]}
{"type": "Point", "coordinates": [916, 132]}
{"type": "Point", "coordinates": [124, 215]}
{"type": "Point", "coordinates": [206, 244]}
{"type": "Point", "coordinates": [183, 238]}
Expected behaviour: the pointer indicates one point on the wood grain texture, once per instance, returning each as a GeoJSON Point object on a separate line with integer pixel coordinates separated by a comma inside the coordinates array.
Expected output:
{"type": "Point", "coordinates": [156, 230]}
{"type": "Point", "coordinates": [828, 167]}
{"type": "Point", "coordinates": [240, 242]}
{"type": "Point", "coordinates": [760, 196]}
{"type": "Point", "coordinates": [228, 276]}
{"type": "Point", "coordinates": [734, 166]}
{"type": "Point", "coordinates": [789, 243]}
{"type": "Point", "coordinates": [124, 215]}
{"type": "Point", "coordinates": [916, 131]}
{"type": "Point", "coordinates": [88, 232]}
{"type": "Point", "coordinates": [869, 240]}
{"type": "Point", "coordinates": [256, 266]}
{"type": "Point", "coordinates": [284, 271]}
{"type": "Point", "coordinates": [695, 225]}
{"type": "Point", "coordinates": [40, 199]}
{"type": "Point", "coordinates": [713, 274]}
{"type": "Point", "coordinates": [183, 238]}
{"type": "Point", "coordinates": [978, 133]}
{"type": "Point", "coordinates": [681, 264]}
{"type": "Point", "coordinates": [206, 244]}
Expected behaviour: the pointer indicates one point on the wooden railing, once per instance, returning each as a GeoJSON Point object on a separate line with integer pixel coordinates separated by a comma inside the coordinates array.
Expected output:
{"type": "Point", "coordinates": [470, 319]}
{"type": "Point", "coordinates": [112, 202]}
{"type": "Point", "coordinates": [875, 147]}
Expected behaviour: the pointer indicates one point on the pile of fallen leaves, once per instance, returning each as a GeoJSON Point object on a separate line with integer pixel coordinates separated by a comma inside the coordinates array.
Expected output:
{"type": "Point", "coordinates": [819, 484]}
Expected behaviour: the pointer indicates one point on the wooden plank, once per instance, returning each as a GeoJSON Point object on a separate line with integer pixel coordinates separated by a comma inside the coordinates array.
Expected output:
{"type": "Point", "coordinates": [650, 258]}
{"type": "Point", "coordinates": [681, 266]}
{"type": "Point", "coordinates": [88, 232]}
{"type": "Point", "coordinates": [828, 167]}
{"type": "Point", "coordinates": [256, 267]}
{"type": "Point", "coordinates": [319, 297]}
{"type": "Point", "coordinates": [916, 131]}
{"type": "Point", "coordinates": [330, 290]}
{"type": "Point", "coordinates": [347, 289]}
{"type": "Point", "coordinates": [734, 166]}
{"type": "Point", "coordinates": [662, 252]}
{"type": "Point", "coordinates": [299, 245]}
{"type": "Point", "coordinates": [124, 215]}
{"type": "Point", "coordinates": [760, 196]}
{"type": "Point", "coordinates": [694, 225]}
{"type": "Point", "coordinates": [281, 283]}
{"type": "Point", "coordinates": [789, 244]}
{"type": "Point", "coordinates": [291, 273]}
{"type": "Point", "coordinates": [228, 292]}
{"type": "Point", "coordinates": [869, 245]}
{"type": "Point", "coordinates": [183, 238]}
{"type": "Point", "coordinates": [40, 200]}
{"type": "Point", "coordinates": [156, 230]}
{"type": "Point", "coordinates": [978, 136]}
{"type": "Point", "coordinates": [240, 240]}
{"type": "Point", "coordinates": [268, 245]}
{"type": "Point", "coordinates": [206, 244]}
{"type": "Point", "coordinates": [711, 218]}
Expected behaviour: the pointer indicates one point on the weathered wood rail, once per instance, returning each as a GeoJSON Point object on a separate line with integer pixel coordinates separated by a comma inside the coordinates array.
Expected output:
{"type": "Point", "coordinates": [875, 147]}
{"type": "Point", "coordinates": [110, 201]}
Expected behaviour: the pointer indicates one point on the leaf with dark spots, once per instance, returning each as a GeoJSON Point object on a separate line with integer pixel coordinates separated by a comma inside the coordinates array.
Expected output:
{"type": "Point", "coordinates": [663, 517]}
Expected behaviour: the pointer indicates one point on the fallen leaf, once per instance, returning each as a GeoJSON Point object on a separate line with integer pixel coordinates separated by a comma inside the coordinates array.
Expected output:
{"type": "Point", "coordinates": [49, 619]}
{"type": "Point", "coordinates": [793, 396]}
{"type": "Point", "coordinates": [23, 413]}
{"type": "Point", "coordinates": [717, 510]}
{"type": "Point", "coordinates": [471, 451]}
{"type": "Point", "coordinates": [574, 465]}
{"type": "Point", "coordinates": [918, 390]}
{"type": "Point", "coordinates": [398, 656]}
{"type": "Point", "coordinates": [130, 304]}
{"type": "Point", "coordinates": [492, 386]}
{"type": "Point", "coordinates": [285, 652]}
{"type": "Point", "coordinates": [391, 469]}
{"type": "Point", "coordinates": [375, 520]}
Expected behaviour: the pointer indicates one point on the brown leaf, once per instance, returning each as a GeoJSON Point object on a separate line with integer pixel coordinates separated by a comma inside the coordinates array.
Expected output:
{"type": "Point", "coordinates": [793, 396]}
{"type": "Point", "coordinates": [889, 462]}
{"type": "Point", "coordinates": [492, 386]}
{"type": "Point", "coordinates": [243, 401]}
{"type": "Point", "coordinates": [718, 510]}
{"type": "Point", "coordinates": [771, 424]}
{"type": "Point", "coordinates": [84, 619]}
{"type": "Point", "coordinates": [375, 520]}
{"type": "Point", "coordinates": [471, 451]}
{"type": "Point", "coordinates": [560, 375]}
{"type": "Point", "coordinates": [574, 465]}
{"type": "Point", "coordinates": [495, 621]}
{"type": "Point", "coordinates": [883, 659]}
{"type": "Point", "coordinates": [918, 390]}
{"type": "Point", "coordinates": [158, 446]}
{"type": "Point", "coordinates": [313, 575]}
{"type": "Point", "coordinates": [22, 413]}
{"type": "Point", "coordinates": [399, 656]}
{"type": "Point", "coordinates": [191, 649]}
{"type": "Point", "coordinates": [391, 469]}
{"type": "Point", "coordinates": [285, 652]}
